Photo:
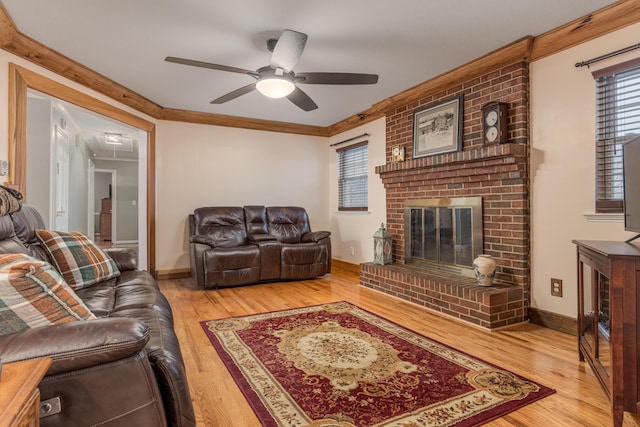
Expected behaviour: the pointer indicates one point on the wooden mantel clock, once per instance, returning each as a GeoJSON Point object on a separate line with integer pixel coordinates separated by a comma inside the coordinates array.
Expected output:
{"type": "Point", "coordinates": [495, 123]}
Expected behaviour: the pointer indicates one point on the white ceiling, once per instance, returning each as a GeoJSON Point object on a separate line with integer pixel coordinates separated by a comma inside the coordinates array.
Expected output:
{"type": "Point", "coordinates": [405, 42]}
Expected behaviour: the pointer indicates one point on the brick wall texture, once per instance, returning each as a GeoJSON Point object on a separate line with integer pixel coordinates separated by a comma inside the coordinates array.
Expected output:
{"type": "Point", "coordinates": [497, 173]}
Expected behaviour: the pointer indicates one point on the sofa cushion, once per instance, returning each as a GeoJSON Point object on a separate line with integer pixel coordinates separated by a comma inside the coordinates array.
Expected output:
{"type": "Point", "coordinates": [232, 266]}
{"type": "Point", "coordinates": [77, 258]}
{"type": "Point", "coordinates": [32, 295]}
{"type": "Point", "coordinates": [224, 225]}
{"type": "Point", "coordinates": [288, 223]}
{"type": "Point", "coordinates": [303, 260]}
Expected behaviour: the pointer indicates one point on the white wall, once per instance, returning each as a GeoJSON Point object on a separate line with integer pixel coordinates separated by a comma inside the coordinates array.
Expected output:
{"type": "Point", "coordinates": [38, 155]}
{"type": "Point", "coordinates": [200, 165]}
{"type": "Point", "coordinates": [356, 229]}
{"type": "Point", "coordinates": [563, 165]}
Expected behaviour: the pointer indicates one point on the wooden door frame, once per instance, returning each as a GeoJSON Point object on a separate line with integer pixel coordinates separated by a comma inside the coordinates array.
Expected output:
{"type": "Point", "coordinates": [21, 79]}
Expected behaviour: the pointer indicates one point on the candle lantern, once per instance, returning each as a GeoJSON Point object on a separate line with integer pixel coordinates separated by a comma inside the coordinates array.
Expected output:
{"type": "Point", "coordinates": [382, 246]}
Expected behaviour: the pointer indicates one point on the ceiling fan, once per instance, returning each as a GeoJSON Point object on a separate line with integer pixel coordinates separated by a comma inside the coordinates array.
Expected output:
{"type": "Point", "coordinates": [277, 80]}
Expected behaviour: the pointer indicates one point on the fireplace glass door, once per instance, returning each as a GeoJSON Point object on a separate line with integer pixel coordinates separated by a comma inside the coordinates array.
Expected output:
{"type": "Point", "coordinates": [442, 235]}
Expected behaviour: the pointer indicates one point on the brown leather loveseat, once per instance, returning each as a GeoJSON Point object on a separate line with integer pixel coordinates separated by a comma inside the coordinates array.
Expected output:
{"type": "Point", "coordinates": [233, 246]}
{"type": "Point", "coordinates": [124, 368]}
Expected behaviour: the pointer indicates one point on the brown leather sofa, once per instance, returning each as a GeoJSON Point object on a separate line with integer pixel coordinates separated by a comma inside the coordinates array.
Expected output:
{"type": "Point", "coordinates": [124, 368]}
{"type": "Point", "coordinates": [233, 246]}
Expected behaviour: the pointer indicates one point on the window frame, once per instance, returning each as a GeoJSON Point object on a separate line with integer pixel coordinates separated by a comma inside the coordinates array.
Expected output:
{"type": "Point", "coordinates": [609, 180]}
{"type": "Point", "coordinates": [364, 176]}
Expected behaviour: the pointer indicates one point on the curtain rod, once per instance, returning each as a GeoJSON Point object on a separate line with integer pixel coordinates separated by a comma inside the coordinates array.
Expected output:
{"type": "Point", "coordinates": [350, 139]}
{"type": "Point", "coordinates": [607, 56]}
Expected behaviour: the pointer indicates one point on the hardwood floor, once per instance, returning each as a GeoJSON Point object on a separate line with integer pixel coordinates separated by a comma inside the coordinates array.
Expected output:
{"type": "Point", "coordinates": [535, 352]}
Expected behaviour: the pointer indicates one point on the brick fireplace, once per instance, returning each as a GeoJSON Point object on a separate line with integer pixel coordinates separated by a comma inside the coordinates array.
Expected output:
{"type": "Point", "coordinates": [496, 173]}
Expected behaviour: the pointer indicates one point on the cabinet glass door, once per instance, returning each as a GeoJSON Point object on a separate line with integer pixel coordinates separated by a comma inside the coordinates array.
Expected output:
{"type": "Point", "coordinates": [603, 357]}
{"type": "Point", "coordinates": [588, 312]}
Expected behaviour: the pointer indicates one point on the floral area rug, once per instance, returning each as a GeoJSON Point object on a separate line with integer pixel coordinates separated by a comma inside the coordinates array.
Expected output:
{"type": "Point", "coordinates": [339, 365]}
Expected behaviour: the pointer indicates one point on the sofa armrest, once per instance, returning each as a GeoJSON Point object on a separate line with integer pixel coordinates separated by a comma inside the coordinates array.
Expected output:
{"type": "Point", "coordinates": [77, 345]}
{"type": "Point", "coordinates": [202, 239]}
{"type": "Point", "coordinates": [258, 238]}
{"type": "Point", "coordinates": [315, 236]}
{"type": "Point", "coordinates": [125, 258]}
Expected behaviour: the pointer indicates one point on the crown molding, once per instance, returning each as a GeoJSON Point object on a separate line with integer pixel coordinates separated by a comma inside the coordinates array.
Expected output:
{"type": "Point", "coordinates": [606, 20]}
{"type": "Point", "coordinates": [172, 114]}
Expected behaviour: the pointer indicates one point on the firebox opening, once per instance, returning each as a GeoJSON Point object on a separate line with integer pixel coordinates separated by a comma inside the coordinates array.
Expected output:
{"type": "Point", "coordinates": [444, 234]}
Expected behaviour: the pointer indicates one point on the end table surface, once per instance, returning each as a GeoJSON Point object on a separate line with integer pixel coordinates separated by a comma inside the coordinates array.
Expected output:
{"type": "Point", "coordinates": [18, 382]}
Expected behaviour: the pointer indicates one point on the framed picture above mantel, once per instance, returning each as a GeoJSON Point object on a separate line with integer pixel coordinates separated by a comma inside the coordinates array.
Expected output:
{"type": "Point", "coordinates": [437, 128]}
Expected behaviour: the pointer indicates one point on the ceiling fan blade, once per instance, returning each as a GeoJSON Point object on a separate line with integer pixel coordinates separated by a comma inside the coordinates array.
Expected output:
{"type": "Point", "coordinates": [288, 50]}
{"type": "Point", "coordinates": [302, 100]}
{"type": "Point", "coordinates": [234, 94]}
{"type": "Point", "coordinates": [336, 78]}
{"type": "Point", "coordinates": [210, 65]}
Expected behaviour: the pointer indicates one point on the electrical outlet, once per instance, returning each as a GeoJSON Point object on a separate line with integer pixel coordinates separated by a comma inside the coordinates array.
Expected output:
{"type": "Point", "coordinates": [352, 251]}
{"type": "Point", "coordinates": [556, 287]}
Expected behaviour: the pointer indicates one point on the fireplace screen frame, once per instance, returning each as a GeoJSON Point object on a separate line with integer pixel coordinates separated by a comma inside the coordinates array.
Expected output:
{"type": "Point", "coordinates": [457, 203]}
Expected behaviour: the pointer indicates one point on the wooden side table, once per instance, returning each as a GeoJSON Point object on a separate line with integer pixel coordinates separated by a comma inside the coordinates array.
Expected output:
{"type": "Point", "coordinates": [19, 394]}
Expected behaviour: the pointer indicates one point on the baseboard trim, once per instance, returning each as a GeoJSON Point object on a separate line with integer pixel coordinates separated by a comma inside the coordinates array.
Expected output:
{"type": "Point", "coordinates": [182, 273]}
{"type": "Point", "coordinates": [349, 266]}
{"type": "Point", "coordinates": [176, 273]}
{"type": "Point", "coordinates": [554, 321]}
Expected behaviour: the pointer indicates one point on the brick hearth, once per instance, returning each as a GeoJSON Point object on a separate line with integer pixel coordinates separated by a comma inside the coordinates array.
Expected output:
{"type": "Point", "coordinates": [489, 307]}
{"type": "Point", "coordinates": [497, 173]}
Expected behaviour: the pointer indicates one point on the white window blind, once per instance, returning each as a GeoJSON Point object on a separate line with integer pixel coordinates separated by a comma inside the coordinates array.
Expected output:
{"type": "Point", "coordinates": [617, 121]}
{"type": "Point", "coordinates": [353, 165]}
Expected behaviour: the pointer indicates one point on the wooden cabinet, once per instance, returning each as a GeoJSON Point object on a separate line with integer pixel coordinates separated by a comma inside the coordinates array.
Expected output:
{"type": "Point", "coordinates": [19, 394]}
{"type": "Point", "coordinates": [608, 319]}
{"type": "Point", "coordinates": [105, 220]}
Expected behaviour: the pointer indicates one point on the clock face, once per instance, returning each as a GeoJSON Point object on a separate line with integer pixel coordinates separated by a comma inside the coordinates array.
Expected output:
{"type": "Point", "coordinates": [491, 134]}
{"type": "Point", "coordinates": [491, 118]}
{"type": "Point", "coordinates": [396, 151]}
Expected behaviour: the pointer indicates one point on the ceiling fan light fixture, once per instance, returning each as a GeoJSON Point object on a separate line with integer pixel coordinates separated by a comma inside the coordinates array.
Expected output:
{"type": "Point", "coordinates": [275, 87]}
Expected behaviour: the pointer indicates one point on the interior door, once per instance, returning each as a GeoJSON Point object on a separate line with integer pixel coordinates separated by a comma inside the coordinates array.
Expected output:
{"type": "Point", "coordinates": [61, 180]}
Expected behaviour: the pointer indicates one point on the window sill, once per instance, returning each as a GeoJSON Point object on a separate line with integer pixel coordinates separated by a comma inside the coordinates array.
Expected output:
{"type": "Point", "coordinates": [604, 217]}
{"type": "Point", "coordinates": [353, 212]}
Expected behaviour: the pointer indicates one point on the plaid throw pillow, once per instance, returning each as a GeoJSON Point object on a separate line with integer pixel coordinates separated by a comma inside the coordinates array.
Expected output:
{"type": "Point", "coordinates": [80, 262]}
{"type": "Point", "coordinates": [32, 295]}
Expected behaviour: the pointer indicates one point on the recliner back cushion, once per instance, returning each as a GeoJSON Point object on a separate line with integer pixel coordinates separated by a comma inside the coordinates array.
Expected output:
{"type": "Point", "coordinates": [9, 243]}
{"type": "Point", "coordinates": [225, 225]}
{"type": "Point", "coordinates": [288, 224]}
{"type": "Point", "coordinates": [256, 219]}
{"type": "Point", "coordinates": [25, 222]}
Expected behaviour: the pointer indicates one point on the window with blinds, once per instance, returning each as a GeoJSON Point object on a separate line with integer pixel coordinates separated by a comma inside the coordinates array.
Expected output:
{"type": "Point", "coordinates": [617, 121]}
{"type": "Point", "coordinates": [353, 165]}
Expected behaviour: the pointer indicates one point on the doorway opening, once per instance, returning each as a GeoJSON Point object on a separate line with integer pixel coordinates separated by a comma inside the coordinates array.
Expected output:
{"type": "Point", "coordinates": [22, 79]}
{"type": "Point", "coordinates": [71, 152]}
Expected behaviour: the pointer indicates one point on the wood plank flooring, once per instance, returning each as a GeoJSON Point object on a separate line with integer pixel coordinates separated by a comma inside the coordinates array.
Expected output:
{"type": "Point", "coordinates": [535, 352]}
